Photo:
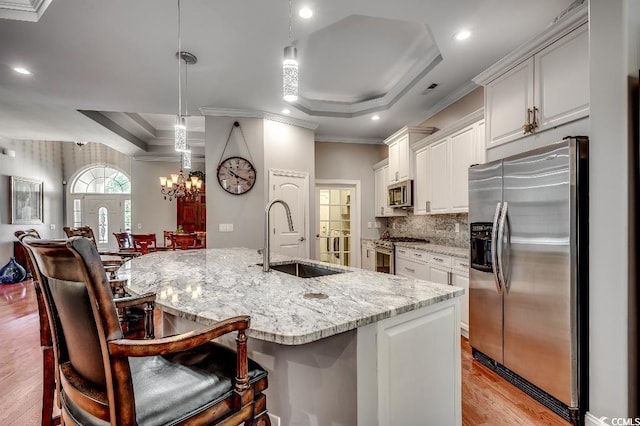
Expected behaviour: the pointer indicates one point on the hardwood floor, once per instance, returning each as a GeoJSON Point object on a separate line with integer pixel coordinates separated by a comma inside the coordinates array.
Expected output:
{"type": "Point", "coordinates": [487, 399]}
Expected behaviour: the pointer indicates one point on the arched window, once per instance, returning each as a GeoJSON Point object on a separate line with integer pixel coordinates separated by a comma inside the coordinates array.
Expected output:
{"type": "Point", "coordinates": [101, 180]}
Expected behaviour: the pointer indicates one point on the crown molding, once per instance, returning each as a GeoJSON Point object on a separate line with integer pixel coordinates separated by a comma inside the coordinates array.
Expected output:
{"type": "Point", "coordinates": [381, 163]}
{"type": "Point", "coordinates": [242, 113]}
{"type": "Point", "coordinates": [459, 124]}
{"type": "Point", "coordinates": [23, 10]}
{"type": "Point", "coordinates": [561, 26]}
{"type": "Point", "coordinates": [338, 139]}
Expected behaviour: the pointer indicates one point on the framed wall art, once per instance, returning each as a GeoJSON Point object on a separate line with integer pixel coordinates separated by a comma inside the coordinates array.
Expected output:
{"type": "Point", "coordinates": [27, 197]}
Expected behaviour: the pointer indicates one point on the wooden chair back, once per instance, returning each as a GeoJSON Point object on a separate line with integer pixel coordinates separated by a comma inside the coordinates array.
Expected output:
{"type": "Point", "coordinates": [80, 231]}
{"type": "Point", "coordinates": [184, 241]}
{"type": "Point", "coordinates": [124, 240]}
{"type": "Point", "coordinates": [144, 242]}
{"type": "Point", "coordinates": [46, 342]}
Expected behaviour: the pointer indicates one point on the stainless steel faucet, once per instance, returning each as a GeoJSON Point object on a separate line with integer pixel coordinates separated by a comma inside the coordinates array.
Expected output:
{"type": "Point", "coordinates": [266, 253]}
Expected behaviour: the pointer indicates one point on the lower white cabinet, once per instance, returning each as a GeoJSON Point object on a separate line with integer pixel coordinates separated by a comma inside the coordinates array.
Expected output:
{"type": "Point", "coordinates": [411, 264]}
{"type": "Point", "coordinates": [439, 275]}
{"type": "Point", "coordinates": [368, 255]}
{"type": "Point", "coordinates": [437, 268]}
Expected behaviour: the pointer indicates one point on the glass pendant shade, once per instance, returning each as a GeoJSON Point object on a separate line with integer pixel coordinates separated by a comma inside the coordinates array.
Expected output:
{"type": "Point", "coordinates": [180, 134]}
{"type": "Point", "coordinates": [186, 159]}
{"type": "Point", "coordinates": [290, 74]}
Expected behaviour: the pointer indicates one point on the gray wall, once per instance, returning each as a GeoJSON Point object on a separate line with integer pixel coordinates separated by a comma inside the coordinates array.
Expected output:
{"type": "Point", "coordinates": [243, 211]}
{"type": "Point", "coordinates": [151, 213]}
{"type": "Point", "coordinates": [34, 160]}
{"type": "Point", "coordinates": [353, 162]}
{"type": "Point", "coordinates": [614, 63]}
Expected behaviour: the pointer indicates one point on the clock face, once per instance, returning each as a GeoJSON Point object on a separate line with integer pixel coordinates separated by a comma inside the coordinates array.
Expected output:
{"type": "Point", "coordinates": [236, 175]}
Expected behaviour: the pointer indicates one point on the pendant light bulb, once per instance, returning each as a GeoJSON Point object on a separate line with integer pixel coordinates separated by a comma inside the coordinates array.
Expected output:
{"type": "Point", "coordinates": [290, 74]}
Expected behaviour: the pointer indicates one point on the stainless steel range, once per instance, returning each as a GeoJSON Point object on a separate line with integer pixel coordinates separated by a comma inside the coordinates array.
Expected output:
{"type": "Point", "coordinates": [385, 252]}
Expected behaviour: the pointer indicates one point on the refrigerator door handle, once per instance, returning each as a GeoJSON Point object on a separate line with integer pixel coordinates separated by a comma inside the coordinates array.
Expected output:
{"type": "Point", "coordinates": [494, 252]}
{"type": "Point", "coordinates": [500, 244]}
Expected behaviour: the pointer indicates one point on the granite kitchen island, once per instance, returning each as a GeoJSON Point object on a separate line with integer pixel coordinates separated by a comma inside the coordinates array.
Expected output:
{"type": "Point", "coordinates": [355, 347]}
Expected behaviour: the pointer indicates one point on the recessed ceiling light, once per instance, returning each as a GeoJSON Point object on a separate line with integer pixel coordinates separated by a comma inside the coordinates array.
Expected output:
{"type": "Point", "coordinates": [305, 13]}
{"type": "Point", "coordinates": [462, 35]}
{"type": "Point", "coordinates": [22, 70]}
{"type": "Point", "coordinates": [375, 117]}
{"type": "Point", "coordinates": [286, 111]}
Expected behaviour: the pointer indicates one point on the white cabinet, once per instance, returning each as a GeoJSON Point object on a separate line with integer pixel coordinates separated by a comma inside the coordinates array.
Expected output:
{"type": "Point", "coordinates": [460, 278]}
{"type": "Point", "coordinates": [416, 375]}
{"type": "Point", "coordinates": [381, 208]}
{"type": "Point", "coordinates": [437, 268]}
{"type": "Point", "coordinates": [368, 255]}
{"type": "Point", "coordinates": [394, 161]}
{"type": "Point", "coordinates": [442, 163]}
{"type": "Point", "coordinates": [422, 184]}
{"type": "Point", "coordinates": [400, 161]}
{"type": "Point", "coordinates": [440, 176]}
{"type": "Point", "coordinates": [411, 263]}
{"type": "Point", "coordinates": [542, 91]}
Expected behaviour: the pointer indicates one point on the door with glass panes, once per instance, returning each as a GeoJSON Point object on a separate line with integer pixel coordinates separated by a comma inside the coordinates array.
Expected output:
{"type": "Point", "coordinates": [333, 234]}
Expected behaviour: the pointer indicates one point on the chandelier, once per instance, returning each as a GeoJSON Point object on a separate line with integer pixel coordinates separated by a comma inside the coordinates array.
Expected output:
{"type": "Point", "coordinates": [177, 186]}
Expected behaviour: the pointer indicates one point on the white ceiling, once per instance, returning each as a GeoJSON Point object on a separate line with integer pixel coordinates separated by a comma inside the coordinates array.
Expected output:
{"type": "Point", "coordinates": [115, 60]}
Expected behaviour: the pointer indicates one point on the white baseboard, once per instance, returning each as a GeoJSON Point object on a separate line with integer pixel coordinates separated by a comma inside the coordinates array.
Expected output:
{"type": "Point", "coordinates": [275, 420]}
{"type": "Point", "coordinates": [591, 420]}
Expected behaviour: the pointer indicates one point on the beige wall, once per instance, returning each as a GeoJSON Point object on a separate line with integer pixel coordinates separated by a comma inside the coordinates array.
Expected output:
{"type": "Point", "coordinates": [353, 162]}
{"type": "Point", "coordinates": [465, 106]}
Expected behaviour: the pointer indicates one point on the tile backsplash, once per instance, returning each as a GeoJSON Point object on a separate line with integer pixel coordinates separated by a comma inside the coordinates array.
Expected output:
{"type": "Point", "coordinates": [438, 229]}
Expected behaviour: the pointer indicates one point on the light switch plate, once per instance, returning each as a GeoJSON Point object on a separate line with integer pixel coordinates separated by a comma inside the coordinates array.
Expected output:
{"type": "Point", "coordinates": [52, 226]}
{"type": "Point", "coordinates": [225, 227]}
{"type": "Point", "coordinates": [457, 226]}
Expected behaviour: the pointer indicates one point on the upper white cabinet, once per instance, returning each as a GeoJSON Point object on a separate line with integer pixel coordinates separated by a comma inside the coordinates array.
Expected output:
{"type": "Point", "coordinates": [422, 186]}
{"type": "Point", "coordinates": [400, 155]}
{"type": "Point", "coordinates": [442, 165]}
{"type": "Point", "coordinates": [381, 208]}
{"type": "Point", "coordinates": [542, 85]}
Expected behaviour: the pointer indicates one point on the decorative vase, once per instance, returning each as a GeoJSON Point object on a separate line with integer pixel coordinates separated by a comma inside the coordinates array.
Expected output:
{"type": "Point", "coordinates": [12, 272]}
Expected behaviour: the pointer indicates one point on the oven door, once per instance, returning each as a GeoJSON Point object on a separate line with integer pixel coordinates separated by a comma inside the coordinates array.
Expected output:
{"type": "Point", "coordinates": [384, 261]}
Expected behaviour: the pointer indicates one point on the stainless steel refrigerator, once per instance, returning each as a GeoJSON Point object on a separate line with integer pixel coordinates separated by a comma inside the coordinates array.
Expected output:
{"type": "Point", "coordinates": [528, 288]}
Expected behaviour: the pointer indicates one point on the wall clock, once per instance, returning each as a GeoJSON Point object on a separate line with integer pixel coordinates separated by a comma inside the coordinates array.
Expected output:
{"type": "Point", "coordinates": [236, 175]}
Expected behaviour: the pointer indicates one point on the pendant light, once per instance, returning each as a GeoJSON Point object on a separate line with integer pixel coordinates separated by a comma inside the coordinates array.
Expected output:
{"type": "Point", "coordinates": [180, 128]}
{"type": "Point", "coordinates": [290, 69]}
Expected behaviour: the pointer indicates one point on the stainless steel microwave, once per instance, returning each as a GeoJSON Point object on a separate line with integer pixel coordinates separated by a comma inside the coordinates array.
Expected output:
{"type": "Point", "coordinates": [400, 193]}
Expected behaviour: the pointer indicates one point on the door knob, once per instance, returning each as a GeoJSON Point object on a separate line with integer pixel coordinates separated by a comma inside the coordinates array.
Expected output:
{"type": "Point", "coordinates": [301, 239]}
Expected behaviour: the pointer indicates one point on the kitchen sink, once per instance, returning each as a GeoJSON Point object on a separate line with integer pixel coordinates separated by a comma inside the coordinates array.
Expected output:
{"type": "Point", "coordinates": [304, 270]}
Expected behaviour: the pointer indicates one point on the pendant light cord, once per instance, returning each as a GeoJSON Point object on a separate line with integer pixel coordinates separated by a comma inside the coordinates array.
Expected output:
{"type": "Point", "coordinates": [179, 66]}
{"type": "Point", "coordinates": [290, 31]}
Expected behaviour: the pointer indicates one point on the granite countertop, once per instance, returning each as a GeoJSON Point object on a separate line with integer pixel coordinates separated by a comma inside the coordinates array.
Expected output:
{"type": "Point", "coordinates": [435, 248]}
{"type": "Point", "coordinates": [213, 284]}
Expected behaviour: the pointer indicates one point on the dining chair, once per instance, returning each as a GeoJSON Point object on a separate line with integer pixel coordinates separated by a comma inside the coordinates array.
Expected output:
{"type": "Point", "coordinates": [184, 241]}
{"type": "Point", "coordinates": [144, 242]}
{"type": "Point", "coordinates": [108, 379]}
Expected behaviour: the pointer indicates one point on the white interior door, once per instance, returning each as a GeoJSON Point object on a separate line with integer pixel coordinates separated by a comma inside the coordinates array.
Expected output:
{"type": "Point", "coordinates": [105, 215]}
{"type": "Point", "coordinates": [293, 188]}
